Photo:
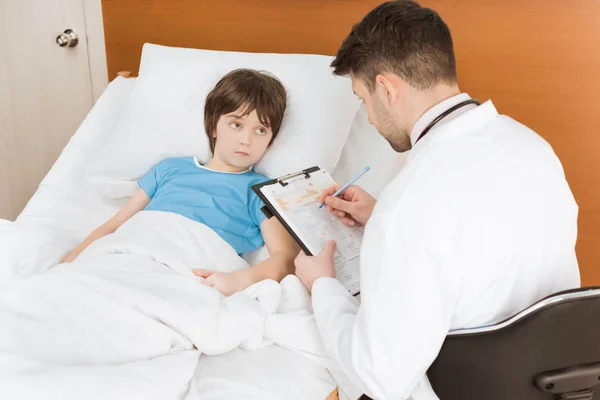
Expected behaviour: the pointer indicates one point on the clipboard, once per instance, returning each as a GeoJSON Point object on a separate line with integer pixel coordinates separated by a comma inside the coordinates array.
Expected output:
{"type": "Point", "coordinates": [293, 200]}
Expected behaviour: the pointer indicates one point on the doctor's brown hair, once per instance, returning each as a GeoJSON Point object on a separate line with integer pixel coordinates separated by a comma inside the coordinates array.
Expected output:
{"type": "Point", "coordinates": [403, 38]}
{"type": "Point", "coordinates": [248, 89]}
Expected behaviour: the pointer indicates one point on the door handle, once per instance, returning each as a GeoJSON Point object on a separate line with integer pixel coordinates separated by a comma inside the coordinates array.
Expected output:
{"type": "Point", "coordinates": [68, 38]}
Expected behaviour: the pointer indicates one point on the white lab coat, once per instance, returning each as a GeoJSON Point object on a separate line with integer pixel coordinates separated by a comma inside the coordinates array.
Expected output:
{"type": "Point", "coordinates": [478, 225]}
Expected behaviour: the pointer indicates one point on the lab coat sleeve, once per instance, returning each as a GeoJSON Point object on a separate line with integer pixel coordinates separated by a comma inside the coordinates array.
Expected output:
{"type": "Point", "coordinates": [386, 344]}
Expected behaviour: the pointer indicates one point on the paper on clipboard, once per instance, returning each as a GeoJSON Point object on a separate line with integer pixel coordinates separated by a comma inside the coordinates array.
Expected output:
{"type": "Point", "coordinates": [298, 204]}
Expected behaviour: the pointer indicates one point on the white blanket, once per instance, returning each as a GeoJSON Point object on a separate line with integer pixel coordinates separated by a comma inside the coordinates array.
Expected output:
{"type": "Point", "coordinates": [128, 319]}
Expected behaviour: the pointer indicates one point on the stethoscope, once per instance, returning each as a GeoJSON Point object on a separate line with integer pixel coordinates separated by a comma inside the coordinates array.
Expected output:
{"type": "Point", "coordinates": [444, 115]}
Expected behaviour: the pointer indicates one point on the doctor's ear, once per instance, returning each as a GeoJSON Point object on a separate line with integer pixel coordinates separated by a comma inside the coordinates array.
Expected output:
{"type": "Point", "coordinates": [389, 84]}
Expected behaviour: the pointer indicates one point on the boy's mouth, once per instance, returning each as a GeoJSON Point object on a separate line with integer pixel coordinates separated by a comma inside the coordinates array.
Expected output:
{"type": "Point", "coordinates": [242, 153]}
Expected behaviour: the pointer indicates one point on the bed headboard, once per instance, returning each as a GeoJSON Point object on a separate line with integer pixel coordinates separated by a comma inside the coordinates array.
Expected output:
{"type": "Point", "coordinates": [269, 26]}
{"type": "Point", "coordinates": [538, 60]}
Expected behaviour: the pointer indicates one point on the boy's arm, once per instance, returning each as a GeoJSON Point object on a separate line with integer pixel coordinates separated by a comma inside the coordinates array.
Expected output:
{"type": "Point", "coordinates": [137, 203]}
{"type": "Point", "coordinates": [283, 250]}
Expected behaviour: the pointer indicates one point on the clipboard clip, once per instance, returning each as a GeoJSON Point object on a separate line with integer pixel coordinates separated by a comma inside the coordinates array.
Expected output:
{"type": "Point", "coordinates": [286, 180]}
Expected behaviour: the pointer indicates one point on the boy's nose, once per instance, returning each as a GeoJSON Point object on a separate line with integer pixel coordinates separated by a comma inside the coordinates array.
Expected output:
{"type": "Point", "coordinates": [246, 138]}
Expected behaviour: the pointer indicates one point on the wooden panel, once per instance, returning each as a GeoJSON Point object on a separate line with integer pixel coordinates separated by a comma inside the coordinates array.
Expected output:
{"type": "Point", "coordinates": [279, 26]}
{"type": "Point", "coordinates": [538, 60]}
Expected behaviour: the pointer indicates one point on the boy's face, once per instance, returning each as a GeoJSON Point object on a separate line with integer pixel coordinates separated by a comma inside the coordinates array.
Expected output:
{"type": "Point", "coordinates": [241, 140]}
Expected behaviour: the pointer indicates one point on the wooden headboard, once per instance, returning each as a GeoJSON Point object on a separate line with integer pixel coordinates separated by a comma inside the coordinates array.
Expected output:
{"type": "Point", "coordinates": [538, 60]}
{"type": "Point", "coordinates": [269, 26]}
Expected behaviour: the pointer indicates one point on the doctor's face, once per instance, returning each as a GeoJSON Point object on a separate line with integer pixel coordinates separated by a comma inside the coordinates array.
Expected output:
{"type": "Point", "coordinates": [382, 115]}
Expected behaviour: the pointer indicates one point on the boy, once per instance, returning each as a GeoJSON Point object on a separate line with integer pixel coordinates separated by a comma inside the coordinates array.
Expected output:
{"type": "Point", "coordinates": [242, 116]}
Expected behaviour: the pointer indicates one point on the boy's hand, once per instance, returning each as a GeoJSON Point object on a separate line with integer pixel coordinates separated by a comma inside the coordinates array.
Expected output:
{"type": "Point", "coordinates": [227, 283]}
{"type": "Point", "coordinates": [69, 258]}
{"type": "Point", "coordinates": [355, 205]}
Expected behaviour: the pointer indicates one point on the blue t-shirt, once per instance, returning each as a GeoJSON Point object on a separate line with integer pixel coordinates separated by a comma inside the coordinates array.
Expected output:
{"type": "Point", "coordinates": [224, 201]}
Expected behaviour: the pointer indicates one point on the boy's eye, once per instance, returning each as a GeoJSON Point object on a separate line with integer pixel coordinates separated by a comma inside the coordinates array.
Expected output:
{"type": "Point", "coordinates": [261, 131]}
{"type": "Point", "coordinates": [235, 125]}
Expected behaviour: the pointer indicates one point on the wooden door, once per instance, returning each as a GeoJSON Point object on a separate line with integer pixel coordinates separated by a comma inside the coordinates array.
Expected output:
{"type": "Point", "coordinates": [45, 92]}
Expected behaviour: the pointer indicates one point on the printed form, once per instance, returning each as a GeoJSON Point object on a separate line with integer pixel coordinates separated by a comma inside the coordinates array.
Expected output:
{"type": "Point", "coordinates": [298, 204]}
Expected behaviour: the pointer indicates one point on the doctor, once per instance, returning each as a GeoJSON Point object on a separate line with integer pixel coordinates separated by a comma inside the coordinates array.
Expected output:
{"type": "Point", "coordinates": [477, 226]}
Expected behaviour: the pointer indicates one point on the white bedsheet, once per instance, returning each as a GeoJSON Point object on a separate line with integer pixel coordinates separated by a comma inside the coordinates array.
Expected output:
{"type": "Point", "coordinates": [63, 211]}
{"type": "Point", "coordinates": [272, 373]}
{"type": "Point", "coordinates": [129, 310]}
{"type": "Point", "coordinates": [67, 207]}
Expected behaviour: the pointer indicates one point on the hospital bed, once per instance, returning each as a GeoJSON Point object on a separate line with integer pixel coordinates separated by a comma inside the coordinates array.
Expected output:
{"type": "Point", "coordinates": [84, 188]}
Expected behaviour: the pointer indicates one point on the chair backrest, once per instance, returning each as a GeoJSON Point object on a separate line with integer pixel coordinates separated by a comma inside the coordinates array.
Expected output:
{"type": "Point", "coordinates": [549, 351]}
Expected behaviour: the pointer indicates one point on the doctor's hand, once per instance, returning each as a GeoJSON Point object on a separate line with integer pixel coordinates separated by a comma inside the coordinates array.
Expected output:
{"type": "Point", "coordinates": [225, 282]}
{"type": "Point", "coordinates": [311, 268]}
{"type": "Point", "coordinates": [353, 207]}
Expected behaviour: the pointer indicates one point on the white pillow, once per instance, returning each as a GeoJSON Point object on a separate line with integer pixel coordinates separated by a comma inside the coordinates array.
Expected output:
{"type": "Point", "coordinates": [163, 118]}
{"type": "Point", "coordinates": [365, 146]}
{"type": "Point", "coordinates": [164, 114]}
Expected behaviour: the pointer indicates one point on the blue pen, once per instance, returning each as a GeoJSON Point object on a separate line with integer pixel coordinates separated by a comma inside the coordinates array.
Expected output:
{"type": "Point", "coordinates": [341, 190]}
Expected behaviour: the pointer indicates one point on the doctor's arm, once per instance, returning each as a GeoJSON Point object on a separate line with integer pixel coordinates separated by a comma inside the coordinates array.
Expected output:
{"type": "Point", "coordinates": [387, 344]}
{"type": "Point", "coordinates": [353, 207]}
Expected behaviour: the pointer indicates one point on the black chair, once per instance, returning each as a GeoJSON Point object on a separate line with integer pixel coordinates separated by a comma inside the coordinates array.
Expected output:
{"type": "Point", "coordinates": [549, 351]}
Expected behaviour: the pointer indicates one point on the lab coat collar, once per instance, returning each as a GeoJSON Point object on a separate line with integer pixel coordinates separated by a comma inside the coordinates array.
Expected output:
{"type": "Point", "coordinates": [468, 121]}
{"type": "Point", "coordinates": [433, 113]}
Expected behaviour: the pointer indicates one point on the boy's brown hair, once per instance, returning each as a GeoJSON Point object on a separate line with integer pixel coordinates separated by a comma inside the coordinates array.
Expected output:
{"type": "Point", "coordinates": [248, 88]}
